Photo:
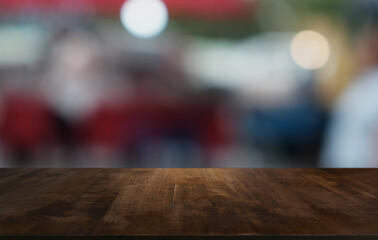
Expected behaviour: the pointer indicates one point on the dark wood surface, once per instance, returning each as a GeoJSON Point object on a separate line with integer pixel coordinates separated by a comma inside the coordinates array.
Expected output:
{"type": "Point", "coordinates": [240, 203]}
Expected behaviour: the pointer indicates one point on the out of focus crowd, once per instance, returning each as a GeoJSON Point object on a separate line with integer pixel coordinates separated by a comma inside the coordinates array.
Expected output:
{"type": "Point", "coordinates": [232, 88]}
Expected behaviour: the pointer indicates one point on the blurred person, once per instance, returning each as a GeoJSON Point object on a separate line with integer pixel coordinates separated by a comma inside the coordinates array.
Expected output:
{"type": "Point", "coordinates": [352, 139]}
{"type": "Point", "coordinates": [291, 131]}
{"type": "Point", "coordinates": [74, 84]}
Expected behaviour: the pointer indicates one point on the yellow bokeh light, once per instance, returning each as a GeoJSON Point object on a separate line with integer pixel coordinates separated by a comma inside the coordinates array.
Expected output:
{"type": "Point", "coordinates": [310, 50]}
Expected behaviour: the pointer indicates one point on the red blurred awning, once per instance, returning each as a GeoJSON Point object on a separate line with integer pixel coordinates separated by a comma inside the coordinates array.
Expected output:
{"type": "Point", "coordinates": [189, 8]}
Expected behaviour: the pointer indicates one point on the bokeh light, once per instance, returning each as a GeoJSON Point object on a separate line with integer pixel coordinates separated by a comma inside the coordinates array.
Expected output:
{"type": "Point", "coordinates": [310, 50]}
{"type": "Point", "coordinates": [144, 18]}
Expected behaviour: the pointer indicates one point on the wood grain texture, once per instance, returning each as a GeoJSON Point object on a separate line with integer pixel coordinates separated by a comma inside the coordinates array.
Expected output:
{"type": "Point", "coordinates": [188, 202]}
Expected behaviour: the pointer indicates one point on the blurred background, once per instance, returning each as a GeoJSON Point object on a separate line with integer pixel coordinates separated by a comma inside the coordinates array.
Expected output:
{"type": "Point", "coordinates": [180, 83]}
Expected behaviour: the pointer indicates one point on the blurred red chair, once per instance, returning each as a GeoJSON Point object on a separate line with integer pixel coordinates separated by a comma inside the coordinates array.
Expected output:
{"type": "Point", "coordinates": [26, 124]}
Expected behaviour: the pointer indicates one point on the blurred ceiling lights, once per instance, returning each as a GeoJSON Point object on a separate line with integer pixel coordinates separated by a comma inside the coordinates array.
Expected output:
{"type": "Point", "coordinates": [144, 18]}
{"type": "Point", "coordinates": [310, 50]}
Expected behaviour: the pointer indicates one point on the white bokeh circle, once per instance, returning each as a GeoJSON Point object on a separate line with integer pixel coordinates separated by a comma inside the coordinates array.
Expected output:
{"type": "Point", "coordinates": [144, 18]}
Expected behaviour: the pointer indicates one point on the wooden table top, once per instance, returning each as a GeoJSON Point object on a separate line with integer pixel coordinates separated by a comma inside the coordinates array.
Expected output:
{"type": "Point", "coordinates": [191, 203]}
